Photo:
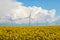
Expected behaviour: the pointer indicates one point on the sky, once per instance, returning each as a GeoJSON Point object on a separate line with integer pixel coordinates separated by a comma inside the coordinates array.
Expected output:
{"type": "Point", "coordinates": [29, 12]}
{"type": "Point", "coordinates": [46, 4]}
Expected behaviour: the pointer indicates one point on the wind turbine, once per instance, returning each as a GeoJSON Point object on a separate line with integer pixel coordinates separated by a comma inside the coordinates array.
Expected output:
{"type": "Point", "coordinates": [30, 17]}
{"type": "Point", "coordinates": [30, 11]}
{"type": "Point", "coordinates": [38, 15]}
{"type": "Point", "coordinates": [12, 20]}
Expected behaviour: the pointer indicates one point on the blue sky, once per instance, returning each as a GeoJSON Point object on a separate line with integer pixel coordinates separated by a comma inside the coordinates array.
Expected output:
{"type": "Point", "coordinates": [43, 12]}
{"type": "Point", "coordinates": [47, 4]}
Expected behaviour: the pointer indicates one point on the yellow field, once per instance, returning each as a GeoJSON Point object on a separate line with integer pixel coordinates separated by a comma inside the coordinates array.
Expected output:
{"type": "Point", "coordinates": [29, 32]}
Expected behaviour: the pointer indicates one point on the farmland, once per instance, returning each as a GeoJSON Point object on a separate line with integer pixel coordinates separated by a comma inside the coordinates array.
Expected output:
{"type": "Point", "coordinates": [29, 32]}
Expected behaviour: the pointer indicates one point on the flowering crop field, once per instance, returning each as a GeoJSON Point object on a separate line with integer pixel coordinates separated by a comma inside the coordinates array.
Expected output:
{"type": "Point", "coordinates": [29, 32]}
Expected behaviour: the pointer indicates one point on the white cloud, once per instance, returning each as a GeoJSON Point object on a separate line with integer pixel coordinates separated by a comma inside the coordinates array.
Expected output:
{"type": "Point", "coordinates": [13, 11]}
